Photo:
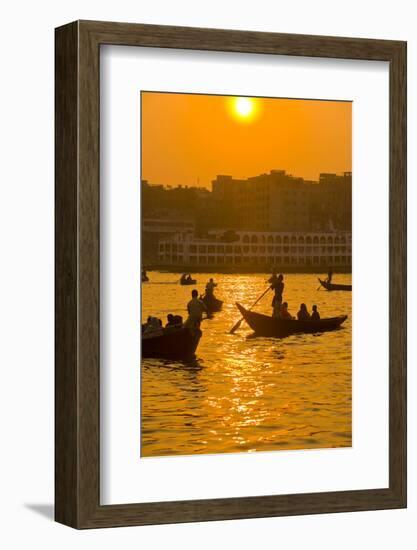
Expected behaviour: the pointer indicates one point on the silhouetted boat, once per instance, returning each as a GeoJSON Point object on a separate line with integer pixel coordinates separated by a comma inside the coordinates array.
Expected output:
{"type": "Point", "coordinates": [172, 344]}
{"type": "Point", "coordinates": [188, 282]}
{"type": "Point", "coordinates": [263, 325]}
{"type": "Point", "coordinates": [212, 304]}
{"type": "Point", "coordinates": [331, 286]}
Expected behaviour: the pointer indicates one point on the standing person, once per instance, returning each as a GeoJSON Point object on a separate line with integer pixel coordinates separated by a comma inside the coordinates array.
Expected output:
{"type": "Point", "coordinates": [278, 287]}
{"type": "Point", "coordinates": [315, 316]}
{"type": "Point", "coordinates": [329, 276]}
{"type": "Point", "coordinates": [195, 308]}
{"type": "Point", "coordinates": [210, 286]}
{"type": "Point", "coordinates": [273, 278]}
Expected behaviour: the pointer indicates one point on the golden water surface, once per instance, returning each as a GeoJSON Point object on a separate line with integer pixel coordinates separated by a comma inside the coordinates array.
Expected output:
{"type": "Point", "coordinates": [245, 394]}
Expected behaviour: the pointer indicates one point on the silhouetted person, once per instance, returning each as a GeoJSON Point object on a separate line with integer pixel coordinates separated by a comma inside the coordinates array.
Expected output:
{"type": "Point", "coordinates": [195, 308]}
{"type": "Point", "coordinates": [170, 319]}
{"type": "Point", "coordinates": [153, 327]}
{"type": "Point", "coordinates": [303, 314]}
{"type": "Point", "coordinates": [210, 286]}
{"type": "Point", "coordinates": [273, 278]}
{"type": "Point", "coordinates": [284, 313]}
{"type": "Point", "coordinates": [278, 287]}
{"type": "Point", "coordinates": [315, 315]}
{"type": "Point", "coordinates": [329, 276]}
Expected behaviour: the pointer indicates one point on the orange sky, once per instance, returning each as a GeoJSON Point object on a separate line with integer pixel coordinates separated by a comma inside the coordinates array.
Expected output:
{"type": "Point", "coordinates": [187, 139]}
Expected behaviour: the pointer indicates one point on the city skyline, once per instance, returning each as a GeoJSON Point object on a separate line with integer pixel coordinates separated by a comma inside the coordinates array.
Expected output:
{"type": "Point", "coordinates": [189, 139]}
{"type": "Point", "coordinates": [213, 180]}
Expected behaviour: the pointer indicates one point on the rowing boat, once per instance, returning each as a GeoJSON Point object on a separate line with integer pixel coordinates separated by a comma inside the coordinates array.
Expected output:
{"type": "Point", "coordinates": [188, 282]}
{"type": "Point", "coordinates": [331, 286]}
{"type": "Point", "coordinates": [263, 325]}
{"type": "Point", "coordinates": [212, 304]}
{"type": "Point", "coordinates": [178, 343]}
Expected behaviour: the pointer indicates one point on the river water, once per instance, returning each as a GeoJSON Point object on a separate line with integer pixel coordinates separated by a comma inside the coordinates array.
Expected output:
{"type": "Point", "coordinates": [245, 394]}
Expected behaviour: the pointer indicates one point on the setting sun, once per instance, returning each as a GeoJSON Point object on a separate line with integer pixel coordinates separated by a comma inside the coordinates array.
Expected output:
{"type": "Point", "coordinates": [244, 107]}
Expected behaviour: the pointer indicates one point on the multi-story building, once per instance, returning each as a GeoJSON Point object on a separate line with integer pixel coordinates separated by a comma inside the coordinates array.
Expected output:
{"type": "Point", "coordinates": [259, 250]}
{"type": "Point", "coordinates": [280, 202]}
{"type": "Point", "coordinates": [157, 228]}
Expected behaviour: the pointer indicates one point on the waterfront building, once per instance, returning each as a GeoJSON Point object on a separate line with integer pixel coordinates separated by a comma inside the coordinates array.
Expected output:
{"type": "Point", "coordinates": [157, 228]}
{"type": "Point", "coordinates": [258, 249]}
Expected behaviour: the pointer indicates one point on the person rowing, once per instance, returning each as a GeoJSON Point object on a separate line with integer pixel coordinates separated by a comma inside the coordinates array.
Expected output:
{"type": "Point", "coordinates": [329, 276]}
{"type": "Point", "coordinates": [273, 278]}
{"type": "Point", "coordinates": [195, 308]}
{"type": "Point", "coordinates": [210, 286]}
{"type": "Point", "coordinates": [278, 287]}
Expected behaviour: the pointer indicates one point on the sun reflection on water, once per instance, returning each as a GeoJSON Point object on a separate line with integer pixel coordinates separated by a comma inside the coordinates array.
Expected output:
{"type": "Point", "coordinates": [242, 393]}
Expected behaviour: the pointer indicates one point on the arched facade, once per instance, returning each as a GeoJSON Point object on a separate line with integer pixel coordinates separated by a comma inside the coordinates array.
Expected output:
{"type": "Point", "coordinates": [260, 249]}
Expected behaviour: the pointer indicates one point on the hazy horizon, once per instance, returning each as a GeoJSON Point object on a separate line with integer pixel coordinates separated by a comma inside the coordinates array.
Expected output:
{"type": "Point", "coordinates": [235, 177]}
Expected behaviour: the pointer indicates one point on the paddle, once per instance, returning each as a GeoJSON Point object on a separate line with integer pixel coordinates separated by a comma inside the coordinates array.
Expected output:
{"type": "Point", "coordinates": [237, 325]}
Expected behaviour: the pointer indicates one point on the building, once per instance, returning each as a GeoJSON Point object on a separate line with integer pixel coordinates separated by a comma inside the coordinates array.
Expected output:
{"type": "Point", "coordinates": [259, 249]}
{"type": "Point", "coordinates": [163, 226]}
{"type": "Point", "coordinates": [281, 202]}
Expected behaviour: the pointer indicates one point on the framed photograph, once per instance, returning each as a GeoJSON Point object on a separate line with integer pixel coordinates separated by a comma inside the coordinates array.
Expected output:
{"type": "Point", "coordinates": [230, 274]}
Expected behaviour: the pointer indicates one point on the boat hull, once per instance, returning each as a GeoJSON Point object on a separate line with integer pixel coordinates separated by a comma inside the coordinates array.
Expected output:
{"type": "Point", "coordinates": [173, 344]}
{"type": "Point", "coordinates": [213, 305]}
{"type": "Point", "coordinates": [331, 286]}
{"type": "Point", "coordinates": [187, 283]}
{"type": "Point", "coordinates": [263, 325]}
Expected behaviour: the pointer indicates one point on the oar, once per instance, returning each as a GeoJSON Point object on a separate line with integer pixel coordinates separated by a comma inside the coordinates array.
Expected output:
{"type": "Point", "coordinates": [237, 325]}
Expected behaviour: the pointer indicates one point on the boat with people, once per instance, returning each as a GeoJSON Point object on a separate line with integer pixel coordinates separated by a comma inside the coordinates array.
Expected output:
{"type": "Point", "coordinates": [210, 301]}
{"type": "Point", "coordinates": [263, 325]}
{"type": "Point", "coordinates": [333, 286]}
{"type": "Point", "coordinates": [212, 304]}
{"type": "Point", "coordinates": [171, 343]}
{"type": "Point", "coordinates": [187, 280]}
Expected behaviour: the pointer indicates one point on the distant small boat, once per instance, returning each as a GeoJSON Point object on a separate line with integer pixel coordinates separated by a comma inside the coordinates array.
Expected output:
{"type": "Point", "coordinates": [212, 304]}
{"type": "Point", "coordinates": [331, 286]}
{"type": "Point", "coordinates": [263, 325]}
{"type": "Point", "coordinates": [172, 344]}
{"type": "Point", "coordinates": [188, 282]}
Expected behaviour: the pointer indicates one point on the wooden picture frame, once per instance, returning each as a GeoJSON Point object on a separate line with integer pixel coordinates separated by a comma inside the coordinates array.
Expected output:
{"type": "Point", "coordinates": [77, 404]}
